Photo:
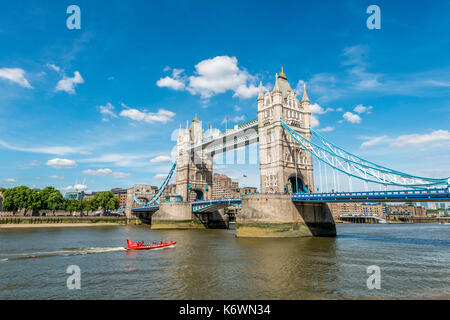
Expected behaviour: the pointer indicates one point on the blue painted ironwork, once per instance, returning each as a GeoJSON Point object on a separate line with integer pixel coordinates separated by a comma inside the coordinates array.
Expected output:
{"type": "Point", "coordinates": [203, 205]}
{"type": "Point", "coordinates": [437, 194]}
{"type": "Point", "coordinates": [146, 209]}
{"type": "Point", "coordinates": [361, 169]}
{"type": "Point", "coordinates": [157, 195]}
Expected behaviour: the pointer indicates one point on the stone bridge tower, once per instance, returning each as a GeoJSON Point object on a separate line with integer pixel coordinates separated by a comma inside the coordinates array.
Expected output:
{"type": "Point", "coordinates": [284, 164]}
{"type": "Point", "coordinates": [194, 167]}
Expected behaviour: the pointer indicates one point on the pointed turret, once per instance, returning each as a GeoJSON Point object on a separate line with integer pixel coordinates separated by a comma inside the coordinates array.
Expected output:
{"type": "Point", "coordinates": [276, 88]}
{"type": "Point", "coordinates": [261, 93]}
{"type": "Point", "coordinates": [305, 96]}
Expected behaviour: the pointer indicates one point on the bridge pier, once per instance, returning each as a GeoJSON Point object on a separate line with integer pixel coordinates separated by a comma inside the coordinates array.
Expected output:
{"type": "Point", "coordinates": [276, 215]}
{"type": "Point", "coordinates": [174, 215]}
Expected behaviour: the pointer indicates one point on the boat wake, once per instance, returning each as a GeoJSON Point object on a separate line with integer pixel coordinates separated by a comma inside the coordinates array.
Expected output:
{"type": "Point", "coordinates": [22, 254]}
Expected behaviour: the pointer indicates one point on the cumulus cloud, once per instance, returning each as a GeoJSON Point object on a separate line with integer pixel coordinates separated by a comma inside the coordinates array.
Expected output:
{"type": "Point", "coordinates": [352, 118]}
{"type": "Point", "coordinates": [362, 109]}
{"type": "Point", "coordinates": [68, 84]}
{"type": "Point", "coordinates": [373, 142]}
{"type": "Point", "coordinates": [61, 163]}
{"type": "Point", "coordinates": [170, 83]}
{"type": "Point", "coordinates": [161, 176]}
{"type": "Point", "coordinates": [107, 110]}
{"type": "Point", "coordinates": [15, 75]}
{"type": "Point", "coordinates": [316, 109]}
{"type": "Point", "coordinates": [160, 159]}
{"type": "Point", "coordinates": [98, 172]}
{"type": "Point", "coordinates": [212, 77]}
{"type": "Point", "coordinates": [325, 129]}
{"type": "Point", "coordinates": [314, 121]}
{"type": "Point", "coordinates": [162, 115]}
{"type": "Point", "coordinates": [54, 67]}
{"type": "Point", "coordinates": [106, 172]}
{"type": "Point", "coordinates": [218, 75]}
{"type": "Point", "coordinates": [175, 82]}
{"type": "Point", "coordinates": [421, 139]}
{"type": "Point", "coordinates": [76, 187]}
{"type": "Point", "coordinates": [10, 180]}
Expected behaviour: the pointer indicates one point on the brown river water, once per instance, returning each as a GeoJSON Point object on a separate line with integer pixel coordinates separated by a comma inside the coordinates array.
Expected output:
{"type": "Point", "coordinates": [414, 261]}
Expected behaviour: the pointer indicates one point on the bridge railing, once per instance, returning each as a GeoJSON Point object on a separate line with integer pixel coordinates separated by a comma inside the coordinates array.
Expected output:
{"type": "Point", "coordinates": [438, 193]}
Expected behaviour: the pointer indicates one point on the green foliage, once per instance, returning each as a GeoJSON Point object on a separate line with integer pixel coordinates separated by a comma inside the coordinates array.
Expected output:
{"type": "Point", "coordinates": [52, 199]}
{"type": "Point", "coordinates": [49, 198]}
{"type": "Point", "coordinates": [105, 200]}
{"type": "Point", "coordinates": [21, 198]}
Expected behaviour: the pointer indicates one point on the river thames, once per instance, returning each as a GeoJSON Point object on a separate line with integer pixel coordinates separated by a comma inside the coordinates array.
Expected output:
{"type": "Point", "coordinates": [414, 260]}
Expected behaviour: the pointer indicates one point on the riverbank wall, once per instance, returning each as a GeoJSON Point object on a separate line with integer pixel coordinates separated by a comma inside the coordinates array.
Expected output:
{"type": "Point", "coordinates": [8, 221]}
{"type": "Point", "coordinates": [47, 213]}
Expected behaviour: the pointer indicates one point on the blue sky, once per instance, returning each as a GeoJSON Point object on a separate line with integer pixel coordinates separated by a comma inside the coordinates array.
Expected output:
{"type": "Point", "coordinates": [99, 106]}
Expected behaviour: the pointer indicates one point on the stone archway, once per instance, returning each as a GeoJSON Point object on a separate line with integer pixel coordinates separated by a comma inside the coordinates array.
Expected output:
{"type": "Point", "coordinates": [297, 185]}
{"type": "Point", "coordinates": [199, 195]}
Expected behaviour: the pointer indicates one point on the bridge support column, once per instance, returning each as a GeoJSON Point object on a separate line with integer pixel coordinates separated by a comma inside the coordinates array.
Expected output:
{"type": "Point", "coordinates": [174, 215]}
{"type": "Point", "coordinates": [276, 215]}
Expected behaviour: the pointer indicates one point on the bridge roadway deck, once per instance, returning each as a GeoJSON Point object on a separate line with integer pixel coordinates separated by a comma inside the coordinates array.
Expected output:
{"type": "Point", "coordinates": [439, 195]}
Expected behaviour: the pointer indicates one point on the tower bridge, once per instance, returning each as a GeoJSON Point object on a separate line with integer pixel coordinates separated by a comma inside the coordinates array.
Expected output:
{"type": "Point", "coordinates": [287, 205]}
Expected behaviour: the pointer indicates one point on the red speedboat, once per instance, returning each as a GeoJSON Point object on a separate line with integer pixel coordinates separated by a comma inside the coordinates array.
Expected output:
{"type": "Point", "coordinates": [141, 246]}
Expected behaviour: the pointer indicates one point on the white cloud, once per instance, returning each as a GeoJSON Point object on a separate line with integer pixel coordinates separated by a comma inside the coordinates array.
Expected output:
{"type": "Point", "coordinates": [107, 110]}
{"type": "Point", "coordinates": [246, 92]}
{"type": "Point", "coordinates": [316, 109]}
{"type": "Point", "coordinates": [176, 82]}
{"type": "Point", "coordinates": [161, 176]}
{"type": "Point", "coordinates": [106, 172]}
{"type": "Point", "coordinates": [98, 172]}
{"type": "Point", "coordinates": [56, 150]}
{"type": "Point", "coordinates": [352, 118]}
{"type": "Point", "coordinates": [339, 109]}
{"type": "Point", "coordinates": [61, 163]}
{"type": "Point", "coordinates": [33, 163]}
{"type": "Point", "coordinates": [218, 75]}
{"type": "Point", "coordinates": [76, 187]}
{"type": "Point", "coordinates": [421, 139]}
{"type": "Point", "coordinates": [15, 75]}
{"type": "Point", "coordinates": [120, 175]}
{"type": "Point", "coordinates": [10, 180]}
{"type": "Point", "coordinates": [325, 129]}
{"type": "Point", "coordinates": [314, 121]}
{"type": "Point", "coordinates": [168, 82]}
{"type": "Point", "coordinates": [121, 160]}
{"type": "Point", "coordinates": [56, 177]}
{"type": "Point", "coordinates": [54, 67]}
{"type": "Point", "coordinates": [212, 77]}
{"type": "Point", "coordinates": [67, 84]}
{"type": "Point", "coordinates": [160, 159]}
{"type": "Point", "coordinates": [238, 118]}
{"type": "Point", "coordinates": [373, 142]}
{"type": "Point", "coordinates": [362, 109]}
{"type": "Point", "coordinates": [162, 115]}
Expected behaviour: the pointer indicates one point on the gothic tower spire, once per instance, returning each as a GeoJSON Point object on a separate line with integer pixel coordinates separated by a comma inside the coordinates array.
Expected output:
{"type": "Point", "coordinates": [305, 96]}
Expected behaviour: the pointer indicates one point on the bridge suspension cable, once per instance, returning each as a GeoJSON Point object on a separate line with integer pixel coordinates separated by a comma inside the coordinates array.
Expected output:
{"type": "Point", "coordinates": [160, 191]}
{"type": "Point", "coordinates": [354, 166]}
